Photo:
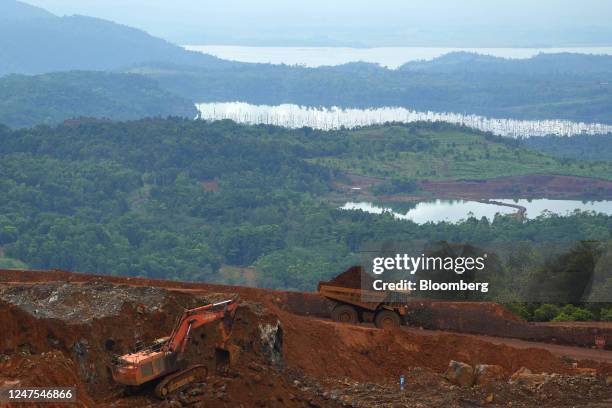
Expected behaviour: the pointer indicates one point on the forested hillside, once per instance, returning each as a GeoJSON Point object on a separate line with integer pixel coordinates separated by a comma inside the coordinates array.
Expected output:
{"type": "Point", "coordinates": [184, 199]}
{"type": "Point", "coordinates": [53, 98]}
{"type": "Point", "coordinates": [438, 151]}
{"type": "Point", "coordinates": [560, 86]}
{"type": "Point", "coordinates": [583, 147]}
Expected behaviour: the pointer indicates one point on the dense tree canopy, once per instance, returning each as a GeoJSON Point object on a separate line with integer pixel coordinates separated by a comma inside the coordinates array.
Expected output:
{"type": "Point", "coordinates": [179, 199]}
{"type": "Point", "coordinates": [52, 98]}
{"type": "Point", "coordinates": [583, 147]}
{"type": "Point", "coordinates": [559, 86]}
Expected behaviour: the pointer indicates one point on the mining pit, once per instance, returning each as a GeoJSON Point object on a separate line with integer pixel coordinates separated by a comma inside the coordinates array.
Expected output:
{"type": "Point", "coordinates": [64, 329]}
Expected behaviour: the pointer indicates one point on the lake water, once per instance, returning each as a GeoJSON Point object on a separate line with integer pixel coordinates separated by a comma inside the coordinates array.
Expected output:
{"type": "Point", "coordinates": [294, 116]}
{"type": "Point", "coordinates": [391, 57]}
{"type": "Point", "coordinates": [455, 211]}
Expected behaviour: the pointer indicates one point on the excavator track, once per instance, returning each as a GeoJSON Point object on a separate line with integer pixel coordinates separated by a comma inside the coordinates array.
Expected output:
{"type": "Point", "coordinates": [180, 379]}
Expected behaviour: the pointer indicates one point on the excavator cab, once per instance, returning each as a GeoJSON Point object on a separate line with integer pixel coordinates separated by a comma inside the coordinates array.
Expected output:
{"type": "Point", "coordinates": [144, 366]}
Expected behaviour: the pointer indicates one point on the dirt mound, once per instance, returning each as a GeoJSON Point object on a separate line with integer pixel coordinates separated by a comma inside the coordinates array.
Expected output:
{"type": "Point", "coordinates": [49, 369]}
{"type": "Point", "coordinates": [460, 316]}
{"type": "Point", "coordinates": [369, 354]}
{"type": "Point", "coordinates": [353, 278]}
{"type": "Point", "coordinates": [82, 303]}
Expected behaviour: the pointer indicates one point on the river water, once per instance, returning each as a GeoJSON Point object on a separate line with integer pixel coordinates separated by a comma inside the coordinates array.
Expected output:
{"type": "Point", "coordinates": [455, 211]}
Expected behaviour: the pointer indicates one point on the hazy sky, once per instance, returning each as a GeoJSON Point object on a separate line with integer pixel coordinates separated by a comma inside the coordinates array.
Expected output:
{"type": "Point", "coordinates": [353, 21]}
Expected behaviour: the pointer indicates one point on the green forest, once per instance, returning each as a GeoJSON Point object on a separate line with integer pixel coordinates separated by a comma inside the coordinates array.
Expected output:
{"type": "Point", "coordinates": [581, 147]}
{"type": "Point", "coordinates": [181, 199]}
{"type": "Point", "coordinates": [52, 98]}
{"type": "Point", "coordinates": [557, 86]}
{"type": "Point", "coordinates": [437, 151]}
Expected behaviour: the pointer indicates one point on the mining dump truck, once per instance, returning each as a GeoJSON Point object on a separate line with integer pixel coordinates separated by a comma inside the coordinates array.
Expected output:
{"type": "Point", "coordinates": [164, 361]}
{"type": "Point", "coordinates": [352, 303]}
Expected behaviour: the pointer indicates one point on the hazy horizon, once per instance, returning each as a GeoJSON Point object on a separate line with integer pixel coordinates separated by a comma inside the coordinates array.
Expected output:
{"type": "Point", "coordinates": [473, 23]}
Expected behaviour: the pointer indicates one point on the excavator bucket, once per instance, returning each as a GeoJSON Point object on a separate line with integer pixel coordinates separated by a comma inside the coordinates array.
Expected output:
{"type": "Point", "coordinates": [222, 360]}
{"type": "Point", "coordinates": [226, 353]}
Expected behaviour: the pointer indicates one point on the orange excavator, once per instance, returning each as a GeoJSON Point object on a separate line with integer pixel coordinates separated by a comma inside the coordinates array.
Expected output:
{"type": "Point", "coordinates": [164, 360]}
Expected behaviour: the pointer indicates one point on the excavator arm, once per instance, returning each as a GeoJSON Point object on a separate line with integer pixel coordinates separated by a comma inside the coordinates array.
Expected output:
{"type": "Point", "coordinates": [165, 361]}
{"type": "Point", "coordinates": [194, 318]}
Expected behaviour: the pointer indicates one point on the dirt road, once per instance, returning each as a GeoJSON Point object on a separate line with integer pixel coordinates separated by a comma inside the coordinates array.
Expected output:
{"type": "Point", "coordinates": [575, 353]}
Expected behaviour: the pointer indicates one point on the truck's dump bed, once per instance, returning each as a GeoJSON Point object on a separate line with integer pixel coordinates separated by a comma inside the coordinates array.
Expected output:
{"type": "Point", "coordinates": [369, 300]}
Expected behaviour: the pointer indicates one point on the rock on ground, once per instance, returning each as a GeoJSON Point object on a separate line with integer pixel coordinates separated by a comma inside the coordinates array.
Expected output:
{"type": "Point", "coordinates": [459, 373]}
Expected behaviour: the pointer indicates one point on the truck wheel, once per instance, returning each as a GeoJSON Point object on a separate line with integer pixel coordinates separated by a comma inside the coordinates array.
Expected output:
{"type": "Point", "coordinates": [386, 319]}
{"type": "Point", "coordinates": [344, 314]}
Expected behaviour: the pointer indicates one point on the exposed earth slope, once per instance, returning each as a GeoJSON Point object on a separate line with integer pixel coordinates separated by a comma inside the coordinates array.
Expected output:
{"type": "Point", "coordinates": [63, 329]}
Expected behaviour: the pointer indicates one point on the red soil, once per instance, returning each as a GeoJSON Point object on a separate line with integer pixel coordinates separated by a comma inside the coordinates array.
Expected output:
{"type": "Point", "coordinates": [81, 346]}
{"type": "Point", "coordinates": [369, 354]}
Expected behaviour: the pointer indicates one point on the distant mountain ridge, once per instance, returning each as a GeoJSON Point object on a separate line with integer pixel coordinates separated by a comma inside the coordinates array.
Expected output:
{"type": "Point", "coordinates": [549, 86]}
{"type": "Point", "coordinates": [543, 63]}
{"type": "Point", "coordinates": [33, 41]}
{"type": "Point", "coordinates": [19, 11]}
